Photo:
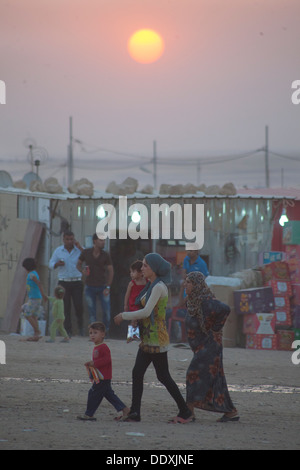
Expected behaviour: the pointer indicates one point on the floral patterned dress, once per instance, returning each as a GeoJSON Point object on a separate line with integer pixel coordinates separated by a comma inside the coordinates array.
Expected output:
{"type": "Point", "coordinates": [205, 382]}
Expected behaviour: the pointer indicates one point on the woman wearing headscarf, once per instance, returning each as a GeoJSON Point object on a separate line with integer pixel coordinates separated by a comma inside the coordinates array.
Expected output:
{"type": "Point", "coordinates": [154, 337]}
{"type": "Point", "coordinates": [206, 385]}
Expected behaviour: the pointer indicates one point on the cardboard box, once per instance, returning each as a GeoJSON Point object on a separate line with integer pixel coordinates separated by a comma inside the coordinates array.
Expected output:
{"type": "Point", "coordinates": [278, 270]}
{"type": "Point", "coordinates": [225, 294]}
{"type": "Point", "coordinates": [255, 300]}
{"type": "Point", "coordinates": [259, 323]}
{"type": "Point", "coordinates": [281, 287]}
{"type": "Point", "coordinates": [282, 302]}
{"type": "Point", "coordinates": [269, 256]}
{"type": "Point", "coordinates": [266, 342]}
{"type": "Point", "coordinates": [285, 339]}
{"type": "Point", "coordinates": [283, 318]}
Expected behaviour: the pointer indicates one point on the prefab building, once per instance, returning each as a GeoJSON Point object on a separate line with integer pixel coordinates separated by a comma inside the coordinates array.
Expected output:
{"type": "Point", "coordinates": [236, 230]}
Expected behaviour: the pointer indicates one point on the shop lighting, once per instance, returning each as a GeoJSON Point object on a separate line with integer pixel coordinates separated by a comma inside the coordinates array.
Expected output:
{"type": "Point", "coordinates": [283, 219]}
{"type": "Point", "coordinates": [136, 217]}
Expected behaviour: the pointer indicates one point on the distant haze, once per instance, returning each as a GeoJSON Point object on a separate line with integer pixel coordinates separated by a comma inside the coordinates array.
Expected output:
{"type": "Point", "coordinates": [225, 75]}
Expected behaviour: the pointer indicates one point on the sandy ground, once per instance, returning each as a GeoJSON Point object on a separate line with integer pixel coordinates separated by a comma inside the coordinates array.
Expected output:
{"type": "Point", "coordinates": [44, 387]}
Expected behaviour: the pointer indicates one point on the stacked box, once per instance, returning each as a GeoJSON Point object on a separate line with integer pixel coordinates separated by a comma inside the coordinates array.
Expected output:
{"type": "Point", "coordinates": [280, 287]}
{"type": "Point", "coordinates": [278, 276]}
{"type": "Point", "coordinates": [255, 300]}
{"type": "Point", "coordinates": [295, 305]}
{"type": "Point", "coordinates": [267, 257]}
{"type": "Point", "coordinates": [257, 306]}
{"type": "Point", "coordinates": [285, 339]}
{"type": "Point", "coordinates": [282, 310]}
{"type": "Point", "coordinates": [266, 342]}
{"type": "Point", "coordinates": [259, 324]}
{"type": "Point", "coordinates": [278, 270]}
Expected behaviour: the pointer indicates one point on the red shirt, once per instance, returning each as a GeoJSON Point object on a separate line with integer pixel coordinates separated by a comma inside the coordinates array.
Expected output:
{"type": "Point", "coordinates": [135, 290]}
{"type": "Point", "coordinates": [102, 360]}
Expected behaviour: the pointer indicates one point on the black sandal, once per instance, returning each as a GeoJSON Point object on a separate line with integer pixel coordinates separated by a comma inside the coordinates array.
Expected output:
{"type": "Point", "coordinates": [227, 419]}
{"type": "Point", "coordinates": [86, 418]}
{"type": "Point", "coordinates": [131, 417]}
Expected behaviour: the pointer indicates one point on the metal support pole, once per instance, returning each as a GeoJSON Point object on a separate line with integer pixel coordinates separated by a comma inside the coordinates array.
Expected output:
{"type": "Point", "coordinates": [267, 158]}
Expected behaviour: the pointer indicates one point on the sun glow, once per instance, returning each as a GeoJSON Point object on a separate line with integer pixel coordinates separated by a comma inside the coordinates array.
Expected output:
{"type": "Point", "coordinates": [146, 46]}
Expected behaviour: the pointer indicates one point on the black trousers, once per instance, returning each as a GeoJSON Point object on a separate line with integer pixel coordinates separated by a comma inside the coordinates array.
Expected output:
{"type": "Point", "coordinates": [73, 292]}
{"type": "Point", "coordinates": [160, 363]}
{"type": "Point", "coordinates": [98, 392]}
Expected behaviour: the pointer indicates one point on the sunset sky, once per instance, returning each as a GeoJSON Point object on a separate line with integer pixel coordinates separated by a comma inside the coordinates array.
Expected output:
{"type": "Point", "coordinates": [226, 73]}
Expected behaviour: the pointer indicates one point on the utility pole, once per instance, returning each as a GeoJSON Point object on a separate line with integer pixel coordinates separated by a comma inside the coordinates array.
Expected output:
{"type": "Point", "coordinates": [198, 171]}
{"type": "Point", "coordinates": [70, 154]}
{"type": "Point", "coordinates": [154, 165]}
{"type": "Point", "coordinates": [267, 157]}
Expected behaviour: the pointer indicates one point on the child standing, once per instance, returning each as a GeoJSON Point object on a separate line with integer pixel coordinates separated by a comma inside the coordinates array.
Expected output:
{"type": "Point", "coordinates": [101, 361]}
{"type": "Point", "coordinates": [135, 286]}
{"type": "Point", "coordinates": [58, 315]}
{"type": "Point", "coordinates": [35, 294]}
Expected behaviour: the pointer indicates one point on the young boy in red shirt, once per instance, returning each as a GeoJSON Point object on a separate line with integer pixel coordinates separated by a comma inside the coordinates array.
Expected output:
{"type": "Point", "coordinates": [101, 367]}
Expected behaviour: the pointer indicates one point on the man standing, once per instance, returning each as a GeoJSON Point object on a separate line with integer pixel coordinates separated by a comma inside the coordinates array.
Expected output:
{"type": "Point", "coordinates": [65, 258]}
{"type": "Point", "coordinates": [194, 262]}
{"type": "Point", "coordinates": [99, 275]}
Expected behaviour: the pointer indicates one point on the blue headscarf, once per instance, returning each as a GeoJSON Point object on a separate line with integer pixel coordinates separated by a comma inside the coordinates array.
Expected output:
{"type": "Point", "coordinates": [162, 269]}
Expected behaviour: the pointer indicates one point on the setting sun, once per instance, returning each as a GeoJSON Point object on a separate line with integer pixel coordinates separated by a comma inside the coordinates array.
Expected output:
{"type": "Point", "coordinates": [145, 46]}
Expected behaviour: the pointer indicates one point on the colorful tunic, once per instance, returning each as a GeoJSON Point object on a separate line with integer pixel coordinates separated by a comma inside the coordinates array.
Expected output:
{"type": "Point", "coordinates": [154, 336]}
{"type": "Point", "coordinates": [152, 320]}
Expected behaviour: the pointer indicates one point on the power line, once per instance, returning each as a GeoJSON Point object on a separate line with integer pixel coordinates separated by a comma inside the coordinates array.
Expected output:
{"type": "Point", "coordinates": [102, 149]}
{"type": "Point", "coordinates": [288, 157]}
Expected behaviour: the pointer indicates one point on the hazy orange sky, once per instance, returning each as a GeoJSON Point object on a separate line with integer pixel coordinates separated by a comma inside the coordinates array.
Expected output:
{"type": "Point", "coordinates": [225, 74]}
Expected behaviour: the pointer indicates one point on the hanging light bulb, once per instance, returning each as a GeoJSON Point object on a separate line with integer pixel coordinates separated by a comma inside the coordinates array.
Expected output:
{"type": "Point", "coordinates": [136, 217]}
{"type": "Point", "coordinates": [283, 219]}
{"type": "Point", "coordinates": [100, 212]}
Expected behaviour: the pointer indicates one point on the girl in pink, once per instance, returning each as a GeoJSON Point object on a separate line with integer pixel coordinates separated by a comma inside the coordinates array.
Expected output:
{"type": "Point", "coordinates": [135, 286]}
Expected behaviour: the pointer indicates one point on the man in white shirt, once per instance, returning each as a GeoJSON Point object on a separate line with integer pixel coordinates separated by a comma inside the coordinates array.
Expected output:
{"type": "Point", "coordinates": [65, 259]}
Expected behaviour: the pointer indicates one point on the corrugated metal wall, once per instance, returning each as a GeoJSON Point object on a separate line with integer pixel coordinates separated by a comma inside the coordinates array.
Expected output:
{"type": "Point", "coordinates": [236, 231]}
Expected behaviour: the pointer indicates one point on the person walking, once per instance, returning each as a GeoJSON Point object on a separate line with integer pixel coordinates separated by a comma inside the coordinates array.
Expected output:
{"type": "Point", "coordinates": [35, 294]}
{"type": "Point", "coordinates": [99, 274]}
{"type": "Point", "coordinates": [206, 386]}
{"type": "Point", "coordinates": [58, 315]}
{"type": "Point", "coordinates": [154, 337]}
{"type": "Point", "coordinates": [65, 259]}
{"type": "Point", "coordinates": [100, 372]}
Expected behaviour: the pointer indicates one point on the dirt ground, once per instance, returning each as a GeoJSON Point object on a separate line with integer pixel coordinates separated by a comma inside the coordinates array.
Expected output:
{"type": "Point", "coordinates": [44, 387]}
